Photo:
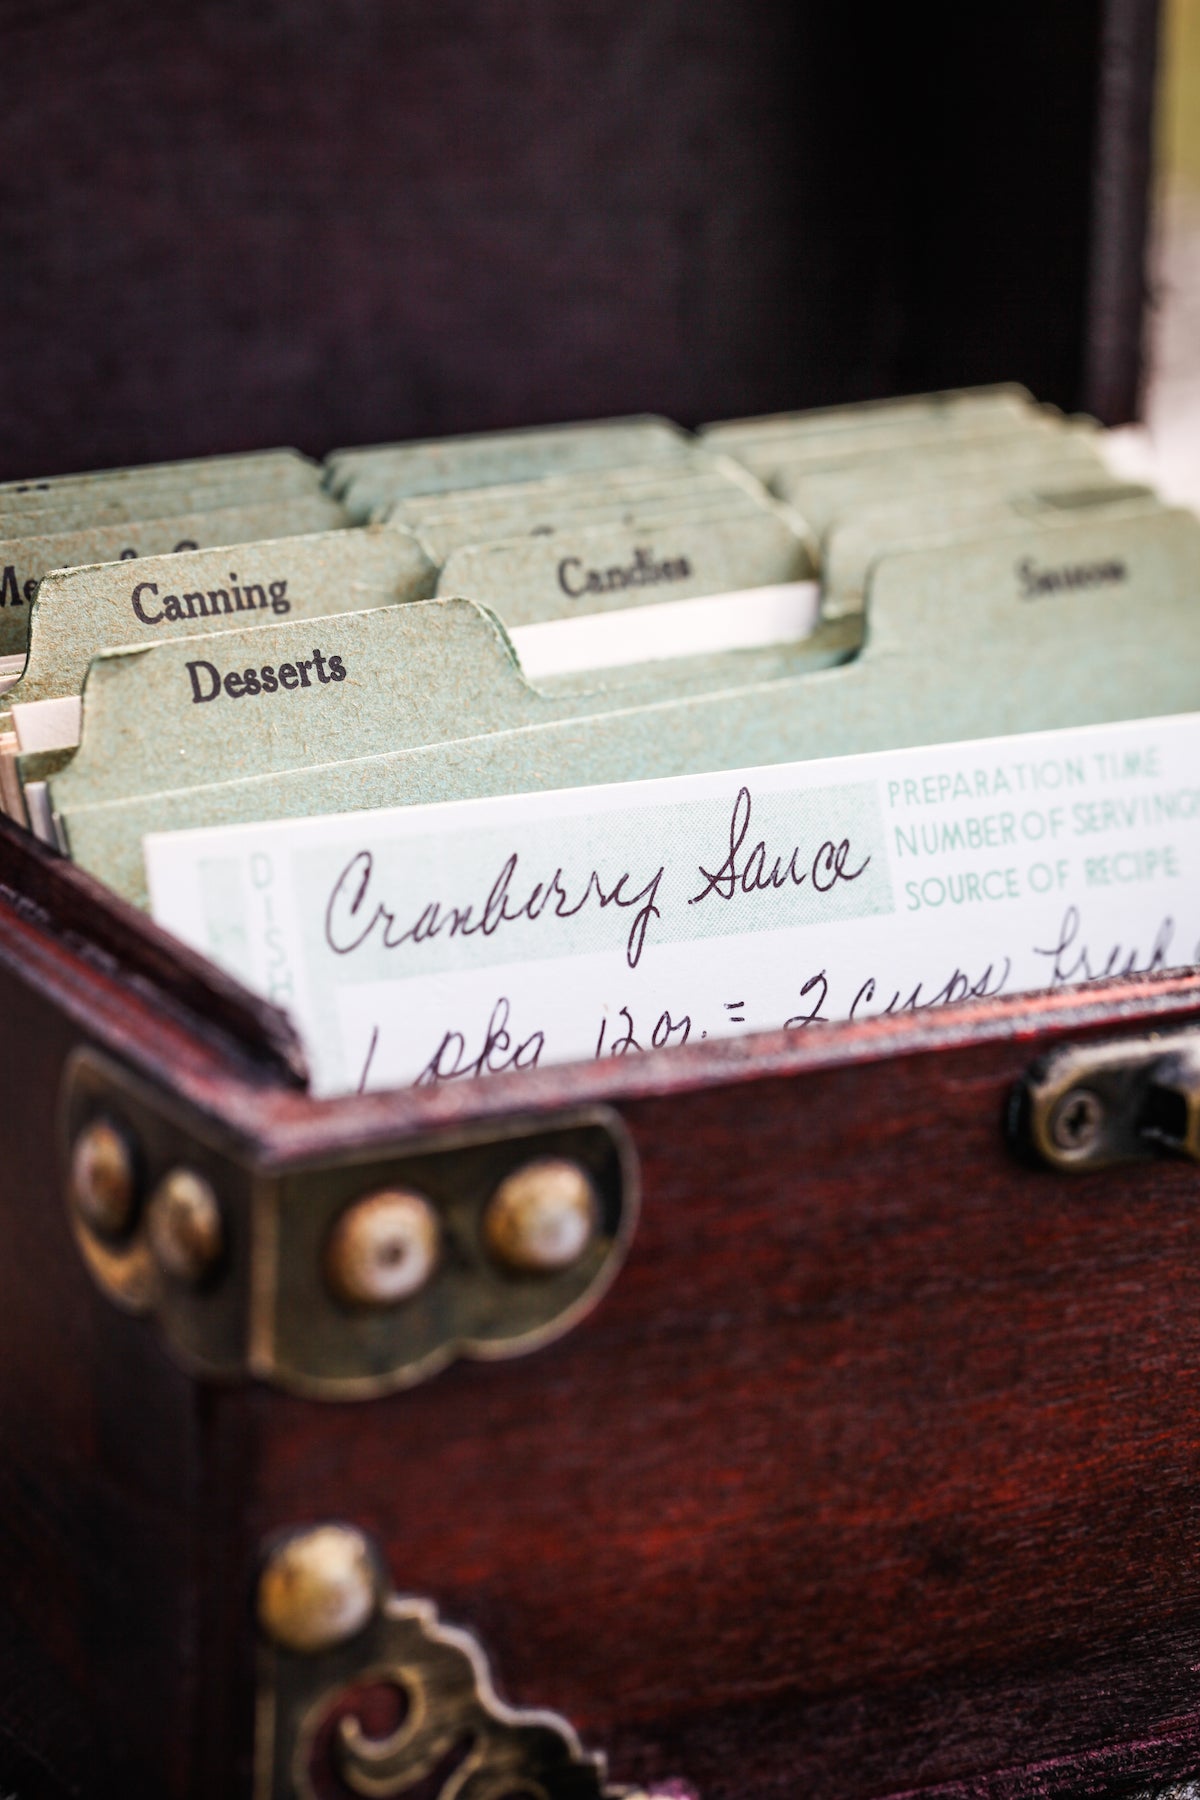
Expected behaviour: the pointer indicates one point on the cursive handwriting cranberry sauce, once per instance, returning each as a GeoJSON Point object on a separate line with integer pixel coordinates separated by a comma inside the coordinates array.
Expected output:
{"type": "Point", "coordinates": [355, 916]}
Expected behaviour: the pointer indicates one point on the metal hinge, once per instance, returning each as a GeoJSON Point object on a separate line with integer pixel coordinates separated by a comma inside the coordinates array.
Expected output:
{"type": "Point", "coordinates": [1090, 1106]}
{"type": "Point", "coordinates": [346, 1277]}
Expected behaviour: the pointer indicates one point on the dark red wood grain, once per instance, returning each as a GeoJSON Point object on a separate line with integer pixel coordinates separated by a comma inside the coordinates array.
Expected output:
{"type": "Point", "coordinates": [876, 1470]}
{"type": "Point", "coordinates": [98, 1465]}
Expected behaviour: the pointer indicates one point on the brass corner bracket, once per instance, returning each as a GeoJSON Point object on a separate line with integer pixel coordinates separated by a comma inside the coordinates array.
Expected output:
{"type": "Point", "coordinates": [351, 1276]}
{"type": "Point", "coordinates": [337, 1642]}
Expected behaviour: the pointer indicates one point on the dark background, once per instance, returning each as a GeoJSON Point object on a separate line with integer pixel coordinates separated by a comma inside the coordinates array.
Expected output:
{"type": "Point", "coordinates": [245, 222]}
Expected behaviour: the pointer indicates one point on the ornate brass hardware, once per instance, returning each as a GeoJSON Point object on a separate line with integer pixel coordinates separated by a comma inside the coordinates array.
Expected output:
{"type": "Point", "coordinates": [1090, 1106]}
{"type": "Point", "coordinates": [368, 1692]}
{"type": "Point", "coordinates": [351, 1276]}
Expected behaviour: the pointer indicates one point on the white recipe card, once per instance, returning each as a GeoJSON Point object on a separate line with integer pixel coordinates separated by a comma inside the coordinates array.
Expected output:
{"type": "Point", "coordinates": [438, 943]}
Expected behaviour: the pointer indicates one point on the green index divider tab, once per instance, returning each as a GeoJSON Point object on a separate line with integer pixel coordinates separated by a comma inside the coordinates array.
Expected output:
{"type": "Point", "coordinates": [702, 480]}
{"type": "Point", "coordinates": [155, 490]}
{"type": "Point", "coordinates": [444, 533]}
{"type": "Point", "coordinates": [859, 540]}
{"type": "Point", "coordinates": [699, 478]}
{"type": "Point", "coordinates": [962, 643]}
{"type": "Point", "coordinates": [25, 560]}
{"type": "Point", "coordinates": [287, 696]}
{"type": "Point", "coordinates": [79, 612]}
{"type": "Point", "coordinates": [767, 459]}
{"type": "Point", "coordinates": [383, 473]}
{"type": "Point", "coordinates": [864, 418]}
{"type": "Point", "coordinates": [684, 589]}
{"type": "Point", "coordinates": [841, 489]}
{"type": "Point", "coordinates": [592, 568]}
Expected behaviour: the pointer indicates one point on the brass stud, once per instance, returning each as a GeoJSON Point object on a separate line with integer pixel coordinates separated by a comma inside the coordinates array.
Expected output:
{"type": "Point", "coordinates": [184, 1226]}
{"type": "Point", "coordinates": [542, 1217]}
{"type": "Point", "coordinates": [318, 1589]}
{"type": "Point", "coordinates": [384, 1248]}
{"type": "Point", "coordinates": [104, 1179]}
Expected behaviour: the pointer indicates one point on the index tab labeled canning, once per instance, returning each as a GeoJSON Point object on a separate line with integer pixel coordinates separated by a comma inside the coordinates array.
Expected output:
{"type": "Point", "coordinates": [79, 612]}
{"type": "Point", "coordinates": [25, 560]}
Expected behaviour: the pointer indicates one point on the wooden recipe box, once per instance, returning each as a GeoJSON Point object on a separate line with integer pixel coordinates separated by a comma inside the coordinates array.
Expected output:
{"type": "Point", "coordinates": [856, 1456]}
{"type": "Point", "coordinates": [871, 1472]}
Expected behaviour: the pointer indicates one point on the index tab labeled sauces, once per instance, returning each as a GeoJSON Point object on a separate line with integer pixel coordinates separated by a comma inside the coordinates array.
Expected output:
{"type": "Point", "coordinates": [79, 612]}
{"type": "Point", "coordinates": [25, 560]}
{"type": "Point", "coordinates": [856, 543]}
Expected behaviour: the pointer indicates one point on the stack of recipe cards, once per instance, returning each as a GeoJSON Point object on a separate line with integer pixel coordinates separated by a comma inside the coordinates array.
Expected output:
{"type": "Point", "coordinates": [592, 739]}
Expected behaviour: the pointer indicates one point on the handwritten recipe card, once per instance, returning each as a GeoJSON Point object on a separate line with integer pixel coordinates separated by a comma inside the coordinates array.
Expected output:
{"type": "Point", "coordinates": [435, 943]}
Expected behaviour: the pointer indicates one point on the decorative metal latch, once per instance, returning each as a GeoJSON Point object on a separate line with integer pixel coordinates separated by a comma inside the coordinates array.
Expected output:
{"type": "Point", "coordinates": [347, 1277]}
{"type": "Point", "coordinates": [365, 1690]}
{"type": "Point", "coordinates": [1088, 1107]}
